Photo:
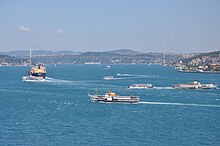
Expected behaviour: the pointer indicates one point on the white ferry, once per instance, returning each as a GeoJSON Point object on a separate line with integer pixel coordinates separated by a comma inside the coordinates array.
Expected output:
{"type": "Point", "coordinates": [194, 85]}
{"type": "Point", "coordinates": [113, 97]}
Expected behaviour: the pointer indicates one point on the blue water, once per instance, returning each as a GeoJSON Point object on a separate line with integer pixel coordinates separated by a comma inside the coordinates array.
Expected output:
{"type": "Point", "coordinates": [58, 111]}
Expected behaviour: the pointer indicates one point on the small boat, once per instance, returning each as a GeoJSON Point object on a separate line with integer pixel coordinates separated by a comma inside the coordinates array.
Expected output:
{"type": "Point", "coordinates": [194, 85]}
{"type": "Point", "coordinates": [140, 86]}
{"type": "Point", "coordinates": [113, 97]}
{"type": "Point", "coordinates": [108, 78]}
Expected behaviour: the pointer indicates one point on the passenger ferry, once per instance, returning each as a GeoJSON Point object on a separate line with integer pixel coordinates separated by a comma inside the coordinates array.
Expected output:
{"type": "Point", "coordinates": [113, 97]}
{"type": "Point", "coordinates": [37, 73]}
{"type": "Point", "coordinates": [194, 85]}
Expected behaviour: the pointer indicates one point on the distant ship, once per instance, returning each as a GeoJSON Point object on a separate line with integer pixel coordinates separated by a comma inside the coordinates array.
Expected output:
{"type": "Point", "coordinates": [140, 86]}
{"type": "Point", "coordinates": [194, 85]}
{"type": "Point", "coordinates": [197, 71]}
{"type": "Point", "coordinates": [108, 78]}
{"type": "Point", "coordinates": [37, 73]}
{"type": "Point", "coordinates": [113, 97]}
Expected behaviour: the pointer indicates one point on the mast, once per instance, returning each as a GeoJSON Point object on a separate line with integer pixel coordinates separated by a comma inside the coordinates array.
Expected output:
{"type": "Point", "coordinates": [164, 55]}
{"type": "Point", "coordinates": [96, 91]}
{"type": "Point", "coordinates": [109, 91]}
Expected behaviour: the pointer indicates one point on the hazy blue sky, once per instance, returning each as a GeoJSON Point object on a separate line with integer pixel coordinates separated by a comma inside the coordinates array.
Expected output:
{"type": "Point", "coordinates": [99, 25]}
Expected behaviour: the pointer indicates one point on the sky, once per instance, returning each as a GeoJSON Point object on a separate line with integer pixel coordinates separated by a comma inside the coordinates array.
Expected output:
{"type": "Point", "coordinates": [184, 26]}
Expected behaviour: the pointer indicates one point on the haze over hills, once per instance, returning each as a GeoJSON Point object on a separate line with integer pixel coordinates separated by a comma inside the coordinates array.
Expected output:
{"type": "Point", "coordinates": [41, 52]}
{"type": "Point", "coordinates": [26, 53]}
{"type": "Point", "coordinates": [124, 52]}
{"type": "Point", "coordinates": [108, 57]}
{"type": "Point", "coordinates": [122, 56]}
{"type": "Point", "coordinates": [114, 52]}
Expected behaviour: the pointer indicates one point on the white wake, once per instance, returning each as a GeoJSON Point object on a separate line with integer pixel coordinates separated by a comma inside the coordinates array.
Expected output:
{"type": "Point", "coordinates": [180, 104]}
{"type": "Point", "coordinates": [46, 80]}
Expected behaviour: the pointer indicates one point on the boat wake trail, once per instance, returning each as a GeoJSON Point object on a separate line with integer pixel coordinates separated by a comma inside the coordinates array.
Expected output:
{"type": "Point", "coordinates": [134, 75]}
{"type": "Point", "coordinates": [125, 78]}
{"type": "Point", "coordinates": [179, 104]}
{"type": "Point", "coordinates": [46, 80]}
{"type": "Point", "coordinates": [125, 74]}
{"type": "Point", "coordinates": [130, 76]}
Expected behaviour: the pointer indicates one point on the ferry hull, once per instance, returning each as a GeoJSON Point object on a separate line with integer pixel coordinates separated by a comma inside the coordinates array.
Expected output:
{"type": "Point", "coordinates": [38, 74]}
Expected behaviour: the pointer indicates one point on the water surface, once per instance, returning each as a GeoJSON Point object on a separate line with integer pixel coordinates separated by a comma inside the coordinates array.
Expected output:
{"type": "Point", "coordinates": [58, 112]}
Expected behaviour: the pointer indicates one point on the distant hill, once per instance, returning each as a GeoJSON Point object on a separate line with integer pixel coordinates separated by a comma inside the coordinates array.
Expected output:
{"type": "Point", "coordinates": [124, 52]}
{"type": "Point", "coordinates": [209, 57]}
{"type": "Point", "coordinates": [214, 54]}
{"type": "Point", "coordinates": [114, 52]}
{"type": "Point", "coordinates": [122, 56]}
{"type": "Point", "coordinates": [4, 56]}
{"type": "Point", "coordinates": [6, 60]}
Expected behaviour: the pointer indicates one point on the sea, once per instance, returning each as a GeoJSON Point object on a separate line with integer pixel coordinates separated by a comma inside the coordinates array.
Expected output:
{"type": "Point", "coordinates": [58, 111]}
